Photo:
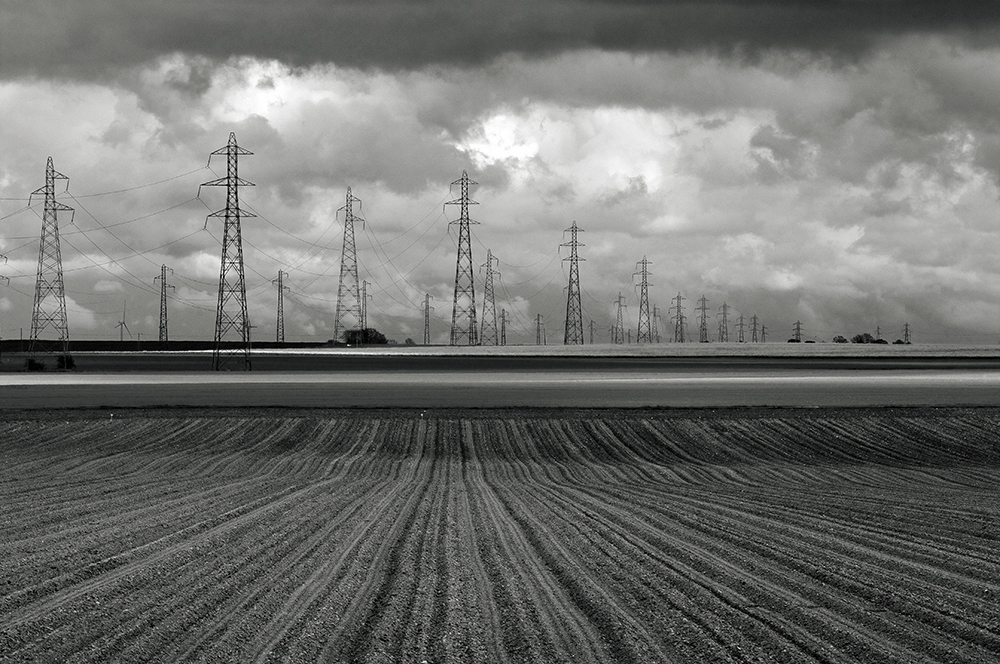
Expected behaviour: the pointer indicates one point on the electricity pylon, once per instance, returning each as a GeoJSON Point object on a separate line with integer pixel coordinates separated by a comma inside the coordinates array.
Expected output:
{"type": "Point", "coordinates": [427, 319]}
{"type": "Point", "coordinates": [503, 327]}
{"type": "Point", "coordinates": [231, 317]}
{"type": "Point", "coordinates": [643, 334]}
{"type": "Point", "coordinates": [573, 334]}
{"type": "Point", "coordinates": [49, 310]}
{"type": "Point", "coordinates": [654, 321]}
{"type": "Point", "coordinates": [763, 334]}
{"type": "Point", "coordinates": [364, 307]}
{"type": "Point", "coordinates": [724, 323]}
{"type": "Point", "coordinates": [163, 303]}
{"type": "Point", "coordinates": [797, 330]}
{"type": "Point", "coordinates": [538, 330]}
{"type": "Point", "coordinates": [591, 331]}
{"type": "Point", "coordinates": [753, 329]}
{"type": "Point", "coordinates": [349, 305]}
{"type": "Point", "coordinates": [618, 331]}
{"type": "Point", "coordinates": [906, 333]}
{"type": "Point", "coordinates": [702, 320]}
{"type": "Point", "coordinates": [279, 334]}
{"type": "Point", "coordinates": [488, 336]}
{"type": "Point", "coordinates": [463, 312]}
{"type": "Point", "coordinates": [680, 320]}
{"type": "Point", "coordinates": [740, 338]}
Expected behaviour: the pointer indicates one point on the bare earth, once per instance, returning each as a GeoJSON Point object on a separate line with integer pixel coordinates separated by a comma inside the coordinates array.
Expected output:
{"type": "Point", "coordinates": [832, 535]}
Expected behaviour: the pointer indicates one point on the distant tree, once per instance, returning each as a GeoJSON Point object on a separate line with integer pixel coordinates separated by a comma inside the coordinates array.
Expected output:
{"type": "Point", "coordinates": [898, 341]}
{"type": "Point", "coordinates": [840, 339]}
{"type": "Point", "coordinates": [409, 342]}
{"type": "Point", "coordinates": [367, 336]}
{"type": "Point", "coordinates": [880, 341]}
{"type": "Point", "coordinates": [793, 340]}
{"type": "Point", "coordinates": [863, 338]}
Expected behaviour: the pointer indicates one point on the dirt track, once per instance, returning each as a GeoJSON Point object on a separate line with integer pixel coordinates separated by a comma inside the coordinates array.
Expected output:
{"type": "Point", "coordinates": [742, 535]}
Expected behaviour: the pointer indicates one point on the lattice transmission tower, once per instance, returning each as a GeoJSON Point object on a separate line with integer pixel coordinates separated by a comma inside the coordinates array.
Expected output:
{"type": "Point", "coordinates": [723, 323]}
{"type": "Point", "coordinates": [680, 320]}
{"type": "Point", "coordinates": [427, 319]}
{"type": "Point", "coordinates": [618, 331]}
{"type": "Point", "coordinates": [503, 327]}
{"type": "Point", "coordinates": [164, 337]}
{"type": "Point", "coordinates": [232, 324]}
{"type": "Point", "coordinates": [654, 321]}
{"type": "Point", "coordinates": [753, 329]}
{"type": "Point", "coordinates": [539, 331]}
{"type": "Point", "coordinates": [463, 312]}
{"type": "Point", "coordinates": [573, 333]}
{"type": "Point", "coordinates": [702, 320]}
{"type": "Point", "coordinates": [49, 310]}
{"type": "Point", "coordinates": [740, 325]}
{"type": "Point", "coordinates": [279, 326]}
{"type": "Point", "coordinates": [643, 333]}
{"type": "Point", "coordinates": [906, 333]}
{"type": "Point", "coordinates": [349, 305]}
{"type": "Point", "coordinates": [797, 331]}
{"type": "Point", "coordinates": [488, 335]}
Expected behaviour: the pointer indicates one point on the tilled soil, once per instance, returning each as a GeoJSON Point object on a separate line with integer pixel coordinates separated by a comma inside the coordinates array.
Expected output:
{"type": "Point", "coordinates": [500, 536]}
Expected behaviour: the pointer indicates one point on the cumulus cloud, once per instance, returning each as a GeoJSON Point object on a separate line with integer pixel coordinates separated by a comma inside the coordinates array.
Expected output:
{"type": "Point", "coordinates": [791, 185]}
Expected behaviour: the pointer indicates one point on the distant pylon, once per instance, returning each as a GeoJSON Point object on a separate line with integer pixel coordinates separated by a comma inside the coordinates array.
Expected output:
{"type": "Point", "coordinates": [763, 334]}
{"type": "Point", "coordinates": [49, 310]}
{"type": "Point", "coordinates": [463, 312]}
{"type": "Point", "coordinates": [503, 327]}
{"type": "Point", "coordinates": [702, 320]}
{"type": "Point", "coordinates": [680, 320]}
{"type": "Point", "coordinates": [164, 337]}
{"type": "Point", "coordinates": [279, 335]}
{"type": "Point", "coordinates": [797, 330]}
{"type": "Point", "coordinates": [538, 330]}
{"type": "Point", "coordinates": [348, 316]}
{"type": "Point", "coordinates": [364, 309]}
{"type": "Point", "coordinates": [488, 336]}
{"type": "Point", "coordinates": [753, 329]}
{"type": "Point", "coordinates": [618, 331]}
{"type": "Point", "coordinates": [573, 334]}
{"type": "Point", "coordinates": [427, 319]}
{"type": "Point", "coordinates": [724, 323]}
{"type": "Point", "coordinates": [643, 333]}
{"type": "Point", "coordinates": [740, 338]}
{"type": "Point", "coordinates": [591, 331]}
{"type": "Point", "coordinates": [654, 321]}
{"type": "Point", "coordinates": [231, 316]}
{"type": "Point", "coordinates": [906, 333]}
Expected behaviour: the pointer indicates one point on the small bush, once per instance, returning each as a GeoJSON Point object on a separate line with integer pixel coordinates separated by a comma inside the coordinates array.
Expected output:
{"type": "Point", "coordinates": [65, 363]}
{"type": "Point", "coordinates": [31, 364]}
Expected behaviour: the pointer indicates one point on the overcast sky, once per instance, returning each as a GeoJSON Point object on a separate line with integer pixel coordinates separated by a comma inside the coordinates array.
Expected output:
{"type": "Point", "coordinates": [835, 163]}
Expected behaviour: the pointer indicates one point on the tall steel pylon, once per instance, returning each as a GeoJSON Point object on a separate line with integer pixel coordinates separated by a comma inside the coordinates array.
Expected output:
{"type": "Point", "coordinates": [427, 319]}
{"type": "Point", "coordinates": [797, 330]}
{"type": "Point", "coordinates": [49, 310]}
{"type": "Point", "coordinates": [618, 331]}
{"type": "Point", "coordinates": [503, 327]}
{"type": "Point", "coordinates": [702, 320]}
{"type": "Point", "coordinates": [364, 308]}
{"type": "Point", "coordinates": [723, 323]}
{"type": "Point", "coordinates": [643, 334]}
{"type": "Point", "coordinates": [463, 312]}
{"type": "Point", "coordinates": [539, 331]}
{"type": "Point", "coordinates": [740, 325]}
{"type": "Point", "coordinates": [231, 320]}
{"type": "Point", "coordinates": [906, 333]}
{"type": "Point", "coordinates": [680, 320]}
{"type": "Point", "coordinates": [279, 326]}
{"type": "Point", "coordinates": [654, 320]}
{"type": "Point", "coordinates": [488, 335]}
{"type": "Point", "coordinates": [164, 337]}
{"type": "Point", "coordinates": [753, 329]}
{"type": "Point", "coordinates": [573, 333]}
{"type": "Point", "coordinates": [349, 305]}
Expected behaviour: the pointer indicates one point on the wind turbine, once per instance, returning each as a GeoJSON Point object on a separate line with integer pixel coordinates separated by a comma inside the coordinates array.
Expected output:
{"type": "Point", "coordinates": [123, 326]}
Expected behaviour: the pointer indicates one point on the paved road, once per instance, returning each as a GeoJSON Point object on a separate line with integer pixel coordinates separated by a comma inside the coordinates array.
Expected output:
{"type": "Point", "coordinates": [507, 389]}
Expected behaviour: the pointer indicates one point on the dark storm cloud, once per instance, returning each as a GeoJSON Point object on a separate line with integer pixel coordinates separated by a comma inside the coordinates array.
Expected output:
{"type": "Point", "coordinates": [46, 37]}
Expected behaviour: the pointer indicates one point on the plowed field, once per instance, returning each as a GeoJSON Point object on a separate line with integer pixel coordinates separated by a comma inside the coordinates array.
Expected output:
{"type": "Point", "coordinates": [501, 536]}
